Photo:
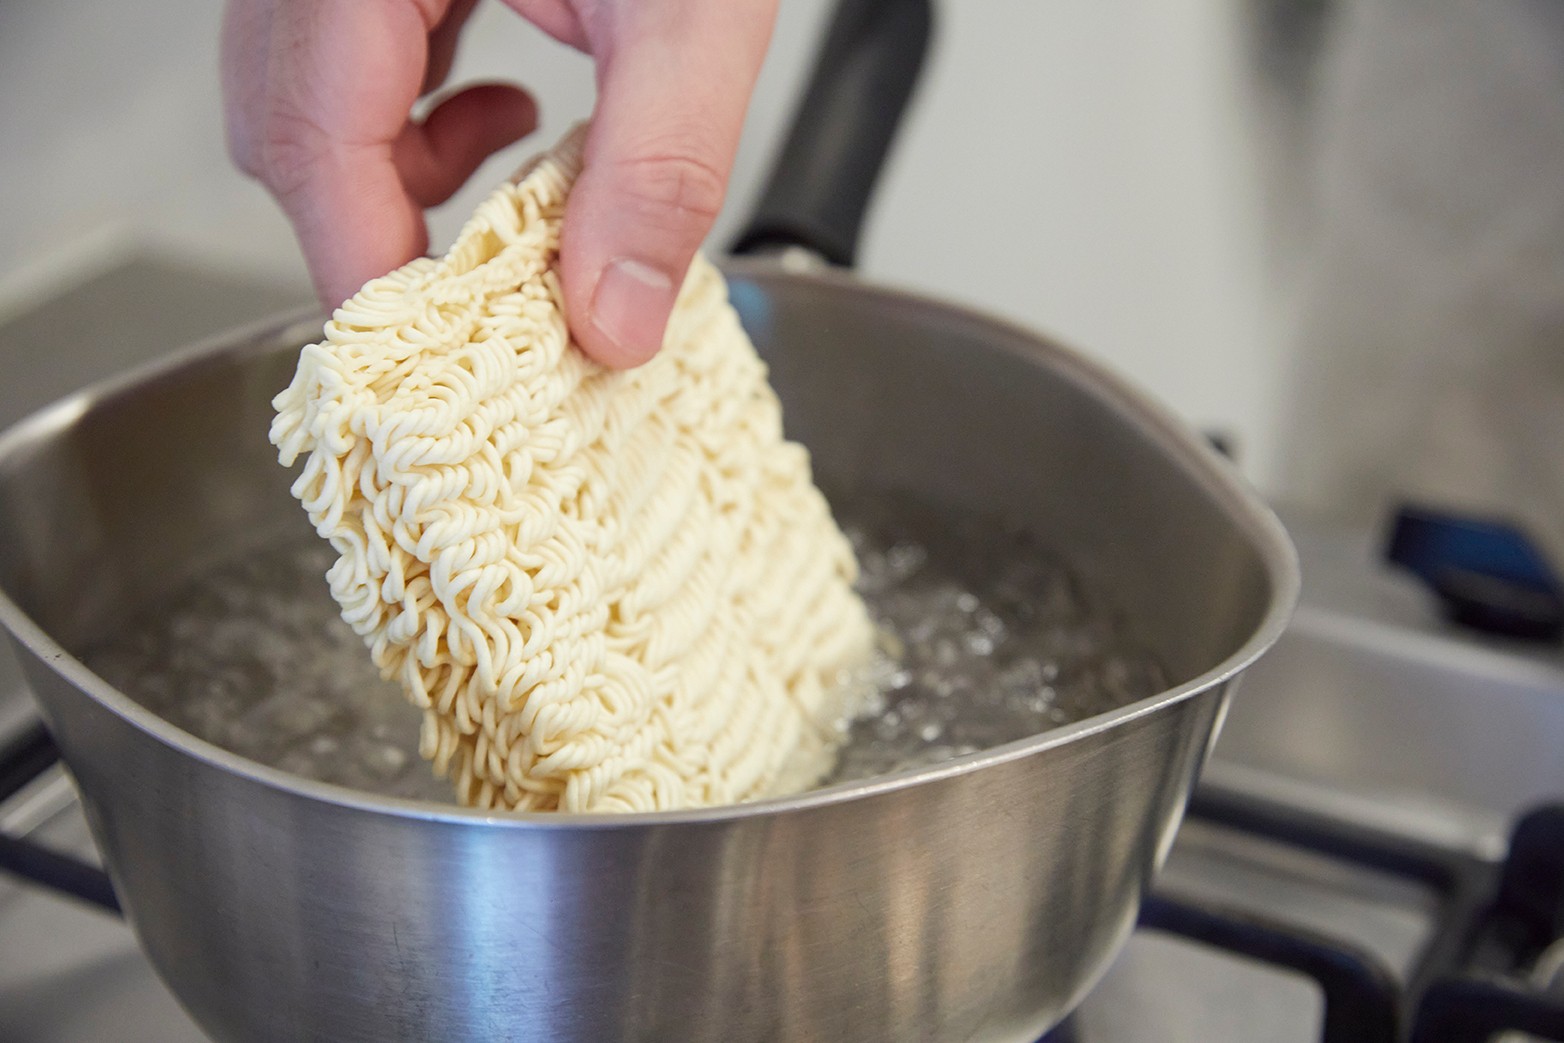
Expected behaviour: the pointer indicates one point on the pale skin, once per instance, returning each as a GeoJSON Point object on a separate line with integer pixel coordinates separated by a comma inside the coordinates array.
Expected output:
{"type": "Point", "coordinates": [319, 97]}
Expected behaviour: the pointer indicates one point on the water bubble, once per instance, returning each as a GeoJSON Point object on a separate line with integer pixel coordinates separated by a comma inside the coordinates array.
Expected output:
{"type": "Point", "coordinates": [1041, 702]}
{"type": "Point", "coordinates": [978, 643]}
{"type": "Point", "coordinates": [902, 560]}
{"type": "Point", "coordinates": [254, 657]}
{"type": "Point", "coordinates": [987, 623]}
{"type": "Point", "coordinates": [386, 760]}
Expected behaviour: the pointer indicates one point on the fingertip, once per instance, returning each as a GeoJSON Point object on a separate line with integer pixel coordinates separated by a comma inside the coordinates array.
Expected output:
{"type": "Point", "coordinates": [627, 315]}
{"type": "Point", "coordinates": [609, 353]}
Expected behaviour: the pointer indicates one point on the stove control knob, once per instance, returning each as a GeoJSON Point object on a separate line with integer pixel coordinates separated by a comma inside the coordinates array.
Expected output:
{"type": "Point", "coordinates": [1488, 574]}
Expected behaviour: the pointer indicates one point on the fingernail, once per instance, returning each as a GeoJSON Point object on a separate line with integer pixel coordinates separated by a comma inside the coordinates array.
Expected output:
{"type": "Point", "coordinates": [630, 307]}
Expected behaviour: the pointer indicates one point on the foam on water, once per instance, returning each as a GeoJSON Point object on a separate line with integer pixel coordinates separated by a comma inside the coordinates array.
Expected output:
{"type": "Point", "coordinates": [988, 637]}
{"type": "Point", "coordinates": [252, 656]}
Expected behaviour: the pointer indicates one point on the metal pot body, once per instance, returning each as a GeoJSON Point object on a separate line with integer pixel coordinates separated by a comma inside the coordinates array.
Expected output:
{"type": "Point", "coordinates": [977, 900]}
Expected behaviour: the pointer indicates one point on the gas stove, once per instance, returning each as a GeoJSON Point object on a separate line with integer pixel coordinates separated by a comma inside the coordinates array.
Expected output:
{"type": "Point", "coordinates": [1376, 851]}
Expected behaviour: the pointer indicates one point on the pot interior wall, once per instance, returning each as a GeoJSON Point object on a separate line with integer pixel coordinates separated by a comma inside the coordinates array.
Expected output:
{"type": "Point", "coordinates": [123, 498]}
{"type": "Point", "coordinates": [894, 393]}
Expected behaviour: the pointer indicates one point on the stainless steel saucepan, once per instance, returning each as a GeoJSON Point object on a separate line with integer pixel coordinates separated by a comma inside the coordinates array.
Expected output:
{"type": "Point", "coordinates": [974, 900]}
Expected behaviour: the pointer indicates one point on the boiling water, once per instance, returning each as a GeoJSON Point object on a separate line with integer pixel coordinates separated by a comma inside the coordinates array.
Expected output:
{"type": "Point", "coordinates": [989, 637]}
{"type": "Point", "coordinates": [992, 638]}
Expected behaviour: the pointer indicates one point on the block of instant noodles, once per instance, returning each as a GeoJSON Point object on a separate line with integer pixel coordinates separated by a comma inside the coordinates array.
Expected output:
{"type": "Point", "coordinates": [608, 591]}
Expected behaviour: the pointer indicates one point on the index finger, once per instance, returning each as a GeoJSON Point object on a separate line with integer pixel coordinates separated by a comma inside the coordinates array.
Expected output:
{"type": "Point", "coordinates": [342, 79]}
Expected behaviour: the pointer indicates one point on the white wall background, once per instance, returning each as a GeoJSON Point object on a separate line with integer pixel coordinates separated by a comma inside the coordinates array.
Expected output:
{"type": "Point", "coordinates": [1080, 167]}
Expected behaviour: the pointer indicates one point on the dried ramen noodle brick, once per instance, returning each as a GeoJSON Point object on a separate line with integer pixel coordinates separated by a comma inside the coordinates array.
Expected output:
{"type": "Point", "coordinates": [608, 591]}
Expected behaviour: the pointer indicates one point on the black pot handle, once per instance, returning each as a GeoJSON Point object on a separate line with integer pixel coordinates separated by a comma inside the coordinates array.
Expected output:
{"type": "Point", "coordinates": [823, 178]}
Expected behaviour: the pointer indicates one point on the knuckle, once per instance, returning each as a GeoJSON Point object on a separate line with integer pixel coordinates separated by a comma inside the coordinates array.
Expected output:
{"type": "Point", "coordinates": [680, 183]}
{"type": "Point", "coordinates": [286, 151]}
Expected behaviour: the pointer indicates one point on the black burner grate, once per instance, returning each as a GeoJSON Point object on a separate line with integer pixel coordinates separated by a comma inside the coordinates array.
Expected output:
{"type": "Point", "coordinates": [22, 760]}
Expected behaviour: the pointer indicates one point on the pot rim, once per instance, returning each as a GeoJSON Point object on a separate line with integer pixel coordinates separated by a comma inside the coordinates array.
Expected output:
{"type": "Point", "coordinates": [1200, 463]}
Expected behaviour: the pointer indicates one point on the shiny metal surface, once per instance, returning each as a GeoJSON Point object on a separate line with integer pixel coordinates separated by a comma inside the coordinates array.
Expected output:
{"type": "Point", "coordinates": [1372, 709]}
{"type": "Point", "coordinates": [132, 310]}
{"type": "Point", "coordinates": [69, 973]}
{"type": "Point", "coordinates": [975, 901]}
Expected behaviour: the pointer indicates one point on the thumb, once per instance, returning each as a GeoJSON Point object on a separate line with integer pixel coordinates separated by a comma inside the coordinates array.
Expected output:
{"type": "Point", "coordinates": [674, 79]}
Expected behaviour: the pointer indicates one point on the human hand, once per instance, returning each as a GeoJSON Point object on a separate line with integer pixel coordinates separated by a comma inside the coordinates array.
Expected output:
{"type": "Point", "coordinates": [318, 97]}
